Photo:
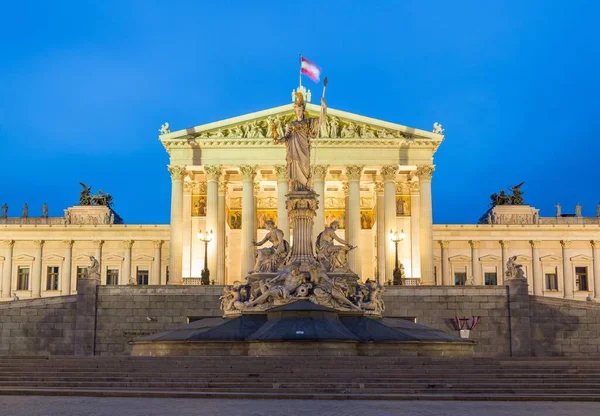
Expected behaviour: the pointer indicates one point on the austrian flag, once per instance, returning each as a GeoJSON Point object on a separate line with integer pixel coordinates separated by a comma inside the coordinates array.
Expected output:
{"type": "Point", "coordinates": [310, 69]}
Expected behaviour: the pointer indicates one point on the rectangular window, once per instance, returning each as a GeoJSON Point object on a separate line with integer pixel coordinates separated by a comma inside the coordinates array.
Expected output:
{"type": "Point", "coordinates": [581, 278]}
{"type": "Point", "coordinates": [52, 278]}
{"type": "Point", "coordinates": [81, 272]}
{"type": "Point", "coordinates": [23, 278]}
{"type": "Point", "coordinates": [112, 276]}
{"type": "Point", "coordinates": [460, 279]}
{"type": "Point", "coordinates": [142, 277]}
{"type": "Point", "coordinates": [491, 279]}
{"type": "Point", "coordinates": [551, 281]}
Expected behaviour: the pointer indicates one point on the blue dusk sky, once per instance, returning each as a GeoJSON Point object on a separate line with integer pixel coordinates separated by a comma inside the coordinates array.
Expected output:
{"type": "Point", "coordinates": [84, 87]}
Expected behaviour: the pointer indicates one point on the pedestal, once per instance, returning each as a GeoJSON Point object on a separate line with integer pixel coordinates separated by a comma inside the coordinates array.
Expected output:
{"type": "Point", "coordinates": [302, 207]}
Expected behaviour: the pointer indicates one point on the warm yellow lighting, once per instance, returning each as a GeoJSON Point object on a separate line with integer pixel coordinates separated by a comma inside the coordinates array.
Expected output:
{"type": "Point", "coordinates": [396, 237]}
{"type": "Point", "coordinates": [205, 236]}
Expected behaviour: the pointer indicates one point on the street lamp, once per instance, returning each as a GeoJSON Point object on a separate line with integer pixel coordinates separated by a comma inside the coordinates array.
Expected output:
{"type": "Point", "coordinates": [396, 238]}
{"type": "Point", "coordinates": [206, 237]}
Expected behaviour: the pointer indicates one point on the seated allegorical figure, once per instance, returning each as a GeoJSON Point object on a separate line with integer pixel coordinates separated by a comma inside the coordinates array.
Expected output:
{"type": "Point", "coordinates": [333, 257]}
{"type": "Point", "coordinates": [280, 288]}
{"type": "Point", "coordinates": [269, 259]}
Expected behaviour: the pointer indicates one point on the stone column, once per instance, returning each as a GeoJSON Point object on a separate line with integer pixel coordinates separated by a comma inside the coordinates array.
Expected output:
{"type": "Point", "coordinates": [283, 219]}
{"type": "Point", "coordinates": [596, 254]}
{"type": "Point", "coordinates": [221, 232]}
{"type": "Point", "coordinates": [475, 268]}
{"type": "Point", "coordinates": [176, 243]}
{"type": "Point", "coordinates": [302, 206]}
{"type": "Point", "coordinates": [381, 235]}
{"type": "Point", "coordinates": [415, 254]}
{"type": "Point", "coordinates": [318, 173]}
{"type": "Point", "coordinates": [505, 245]}
{"type": "Point", "coordinates": [446, 276]}
{"type": "Point", "coordinates": [155, 277]}
{"type": "Point", "coordinates": [248, 215]}
{"type": "Point", "coordinates": [568, 283]}
{"type": "Point", "coordinates": [212, 215]}
{"type": "Point", "coordinates": [353, 172]}
{"type": "Point", "coordinates": [537, 277]}
{"type": "Point", "coordinates": [425, 224]}
{"type": "Point", "coordinates": [7, 273]}
{"type": "Point", "coordinates": [128, 279]}
{"type": "Point", "coordinates": [66, 271]}
{"type": "Point", "coordinates": [388, 173]}
{"type": "Point", "coordinates": [36, 273]}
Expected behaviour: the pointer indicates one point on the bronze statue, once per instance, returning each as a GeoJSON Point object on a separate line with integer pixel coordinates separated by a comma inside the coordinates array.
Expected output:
{"type": "Point", "coordinates": [4, 210]}
{"type": "Point", "coordinates": [25, 211]}
{"type": "Point", "coordinates": [502, 199]}
{"type": "Point", "coordinates": [45, 210]}
{"type": "Point", "coordinates": [86, 198]}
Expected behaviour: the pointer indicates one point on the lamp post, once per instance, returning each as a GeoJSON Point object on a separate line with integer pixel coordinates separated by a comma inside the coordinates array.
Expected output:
{"type": "Point", "coordinates": [396, 238]}
{"type": "Point", "coordinates": [206, 237]}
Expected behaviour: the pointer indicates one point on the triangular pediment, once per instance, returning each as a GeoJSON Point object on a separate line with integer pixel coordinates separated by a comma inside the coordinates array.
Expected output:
{"type": "Point", "coordinates": [53, 257]}
{"type": "Point", "coordinates": [23, 257]}
{"type": "Point", "coordinates": [82, 257]}
{"type": "Point", "coordinates": [459, 257]}
{"type": "Point", "coordinates": [489, 258]}
{"type": "Point", "coordinates": [113, 257]}
{"type": "Point", "coordinates": [581, 257]}
{"type": "Point", "coordinates": [341, 125]}
{"type": "Point", "coordinates": [550, 257]}
{"type": "Point", "coordinates": [143, 257]}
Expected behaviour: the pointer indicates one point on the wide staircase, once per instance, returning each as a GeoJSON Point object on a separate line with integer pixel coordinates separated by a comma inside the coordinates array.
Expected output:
{"type": "Point", "coordinates": [304, 377]}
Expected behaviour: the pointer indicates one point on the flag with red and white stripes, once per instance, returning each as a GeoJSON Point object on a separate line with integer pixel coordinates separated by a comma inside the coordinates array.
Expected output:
{"type": "Point", "coordinates": [310, 69]}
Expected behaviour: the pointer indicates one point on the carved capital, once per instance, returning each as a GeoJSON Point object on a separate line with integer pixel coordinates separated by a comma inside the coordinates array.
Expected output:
{"type": "Point", "coordinates": [98, 243]}
{"type": "Point", "coordinates": [353, 172]}
{"type": "Point", "coordinates": [222, 185]}
{"type": "Point", "coordinates": [189, 186]}
{"type": "Point", "coordinates": [281, 173]}
{"type": "Point", "coordinates": [414, 187]}
{"type": "Point", "coordinates": [424, 172]}
{"type": "Point", "coordinates": [379, 188]}
{"type": "Point", "coordinates": [158, 243]}
{"type": "Point", "coordinates": [68, 243]}
{"type": "Point", "coordinates": [534, 243]}
{"type": "Point", "coordinates": [248, 172]}
{"type": "Point", "coordinates": [474, 243]}
{"type": "Point", "coordinates": [595, 243]}
{"type": "Point", "coordinates": [177, 172]}
{"type": "Point", "coordinates": [565, 244]}
{"type": "Point", "coordinates": [212, 172]}
{"type": "Point", "coordinates": [9, 243]}
{"type": "Point", "coordinates": [128, 244]}
{"type": "Point", "coordinates": [389, 172]}
{"type": "Point", "coordinates": [504, 243]}
{"type": "Point", "coordinates": [444, 244]}
{"type": "Point", "coordinates": [319, 172]}
{"type": "Point", "coordinates": [38, 243]}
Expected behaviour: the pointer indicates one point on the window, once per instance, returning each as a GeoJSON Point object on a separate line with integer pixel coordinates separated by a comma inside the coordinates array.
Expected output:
{"type": "Point", "coordinates": [491, 279]}
{"type": "Point", "coordinates": [23, 278]}
{"type": "Point", "coordinates": [167, 274]}
{"type": "Point", "coordinates": [142, 277]}
{"type": "Point", "coordinates": [52, 278]}
{"type": "Point", "coordinates": [581, 278]}
{"type": "Point", "coordinates": [81, 272]}
{"type": "Point", "coordinates": [460, 279]}
{"type": "Point", "coordinates": [551, 281]}
{"type": "Point", "coordinates": [112, 276]}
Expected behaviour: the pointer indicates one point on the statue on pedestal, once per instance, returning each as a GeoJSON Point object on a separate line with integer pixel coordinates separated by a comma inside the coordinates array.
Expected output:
{"type": "Point", "coordinates": [93, 270]}
{"type": "Point", "coordinates": [45, 210]}
{"type": "Point", "coordinates": [514, 270]}
{"type": "Point", "coordinates": [269, 259]}
{"type": "Point", "coordinates": [5, 210]}
{"type": "Point", "coordinates": [332, 257]}
{"type": "Point", "coordinates": [25, 211]}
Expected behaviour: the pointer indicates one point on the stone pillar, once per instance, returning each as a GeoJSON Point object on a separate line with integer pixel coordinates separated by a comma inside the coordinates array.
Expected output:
{"type": "Point", "coordinates": [353, 172]}
{"type": "Point", "coordinates": [475, 267]}
{"type": "Point", "coordinates": [446, 276]}
{"type": "Point", "coordinates": [381, 235]}
{"type": "Point", "coordinates": [212, 215]}
{"type": "Point", "coordinates": [36, 273]}
{"type": "Point", "coordinates": [520, 325]}
{"type": "Point", "coordinates": [537, 275]}
{"type": "Point", "coordinates": [7, 273]}
{"type": "Point", "coordinates": [176, 242]}
{"type": "Point", "coordinates": [302, 206]}
{"type": "Point", "coordinates": [155, 277]}
{"type": "Point", "coordinates": [568, 283]}
{"type": "Point", "coordinates": [388, 173]}
{"type": "Point", "coordinates": [505, 245]}
{"type": "Point", "coordinates": [415, 254]}
{"type": "Point", "coordinates": [283, 219]}
{"type": "Point", "coordinates": [248, 215]}
{"type": "Point", "coordinates": [221, 232]}
{"type": "Point", "coordinates": [596, 254]}
{"type": "Point", "coordinates": [128, 279]}
{"type": "Point", "coordinates": [66, 271]}
{"type": "Point", "coordinates": [85, 318]}
{"type": "Point", "coordinates": [425, 224]}
{"type": "Point", "coordinates": [318, 173]}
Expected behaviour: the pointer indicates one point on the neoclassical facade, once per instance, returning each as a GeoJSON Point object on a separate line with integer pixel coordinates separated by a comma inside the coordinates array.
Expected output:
{"type": "Point", "coordinates": [372, 176]}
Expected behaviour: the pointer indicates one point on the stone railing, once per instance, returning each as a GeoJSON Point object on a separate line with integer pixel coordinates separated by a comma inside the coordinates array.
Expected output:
{"type": "Point", "coordinates": [569, 220]}
{"type": "Point", "coordinates": [33, 220]}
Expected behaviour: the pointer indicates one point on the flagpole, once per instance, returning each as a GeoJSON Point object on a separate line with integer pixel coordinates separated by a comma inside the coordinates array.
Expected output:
{"type": "Point", "coordinates": [300, 68]}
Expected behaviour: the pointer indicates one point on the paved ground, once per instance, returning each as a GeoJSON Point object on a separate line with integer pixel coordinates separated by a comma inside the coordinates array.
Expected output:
{"type": "Point", "coordinates": [91, 406]}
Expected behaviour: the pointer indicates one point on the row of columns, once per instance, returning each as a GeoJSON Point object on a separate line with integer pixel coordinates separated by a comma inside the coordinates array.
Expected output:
{"type": "Point", "coordinates": [537, 277]}
{"type": "Point", "coordinates": [36, 272]}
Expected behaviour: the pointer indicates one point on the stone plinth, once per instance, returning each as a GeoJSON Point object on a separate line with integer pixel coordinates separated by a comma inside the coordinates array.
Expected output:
{"type": "Point", "coordinates": [89, 215]}
{"type": "Point", "coordinates": [302, 207]}
{"type": "Point", "coordinates": [513, 214]}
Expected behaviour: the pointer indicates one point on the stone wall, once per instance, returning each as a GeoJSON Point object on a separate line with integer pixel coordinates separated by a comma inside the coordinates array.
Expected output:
{"type": "Point", "coordinates": [38, 326]}
{"type": "Point", "coordinates": [561, 327]}
{"type": "Point", "coordinates": [436, 306]}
